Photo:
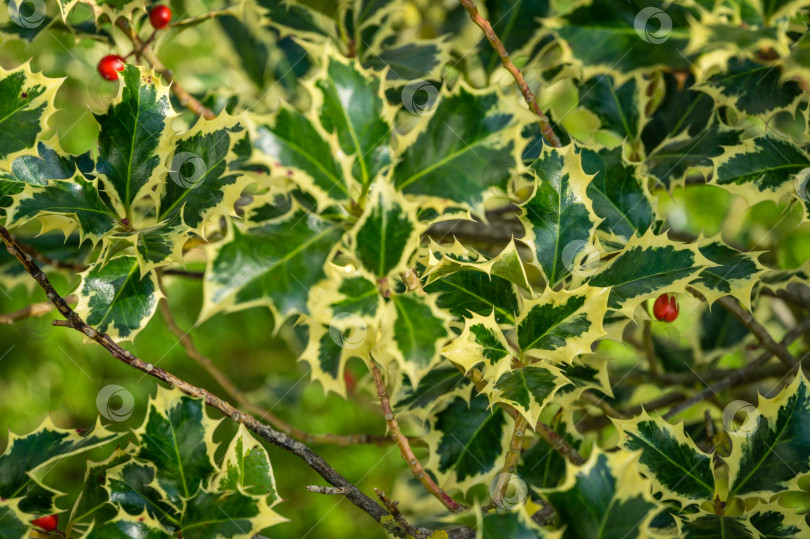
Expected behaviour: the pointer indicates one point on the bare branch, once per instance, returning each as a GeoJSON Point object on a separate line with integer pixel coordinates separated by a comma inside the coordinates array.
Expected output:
{"type": "Point", "coordinates": [34, 310]}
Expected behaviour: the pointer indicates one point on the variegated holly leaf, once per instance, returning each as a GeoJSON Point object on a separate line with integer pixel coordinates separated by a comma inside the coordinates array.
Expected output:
{"type": "Point", "coordinates": [618, 107]}
{"type": "Point", "coordinates": [352, 106]}
{"type": "Point", "coordinates": [134, 134]}
{"type": "Point", "coordinates": [559, 326]}
{"type": "Point", "coordinates": [413, 332]}
{"type": "Point", "coordinates": [678, 469]}
{"type": "Point", "coordinates": [717, 527]}
{"type": "Point", "coordinates": [290, 139]}
{"type": "Point", "coordinates": [161, 244]}
{"type": "Point", "coordinates": [625, 36]}
{"type": "Point", "coordinates": [310, 22]}
{"type": "Point", "coordinates": [541, 466]}
{"type": "Point", "coordinates": [27, 459]}
{"type": "Point", "coordinates": [125, 526]}
{"type": "Point", "coordinates": [515, 524]}
{"type": "Point", "coordinates": [760, 169]}
{"type": "Point", "coordinates": [414, 60]}
{"type": "Point", "coordinates": [472, 292]}
{"type": "Point", "coordinates": [771, 449]}
{"type": "Point", "coordinates": [527, 389]}
{"type": "Point", "coordinates": [516, 24]}
{"type": "Point", "coordinates": [133, 488]}
{"type": "Point", "coordinates": [177, 439]}
{"type": "Point", "coordinates": [608, 493]}
{"type": "Point", "coordinates": [583, 373]}
{"type": "Point", "coordinates": [437, 385]}
{"type": "Point", "coordinates": [246, 468]}
{"type": "Point", "coordinates": [467, 441]}
{"type": "Point", "coordinates": [442, 260]}
{"type": "Point", "coordinates": [211, 515]}
{"type": "Point", "coordinates": [48, 164]}
{"type": "Point", "coordinates": [735, 274]}
{"type": "Point", "coordinates": [481, 343]}
{"type": "Point", "coordinates": [779, 522]}
{"type": "Point", "coordinates": [273, 264]}
{"type": "Point", "coordinates": [720, 331]}
{"type": "Point", "coordinates": [116, 298]}
{"type": "Point", "coordinates": [648, 266]}
{"type": "Point", "coordinates": [753, 88]}
{"type": "Point", "coordinates": [387, 235]}
{"type": "Point", "coordinates": [617, 193]}
{"type": "Point", "coordinates": [93, 503]}
{"type": "Point", "coordinates": [27, 103]}
{"type": "Point", "coordinates": [15, 522]}
{"type": "Point", "coordinates": [559, 214]}
{"type": "Point", "coordinates": [330, 345]}
{"type": "Point", "coordinates": [467, 146]}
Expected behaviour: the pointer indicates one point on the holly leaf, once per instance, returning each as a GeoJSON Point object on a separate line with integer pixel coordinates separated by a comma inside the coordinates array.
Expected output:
{"type": "Point", "coordinates": [527, 389]}
{"type": "Point", "coordinates": [607, 493]}
{"type": "Point", "coordinates": [116, 299]}
{"type": "Point", "coordinates": [133, 134]}
{"type": "Point", "coordinates": [210, 515]}
{"type": "Point", "coordinates": [467, 442]}
{"type": "Point", "coordinates": [471, 292]}
{"type": "Point", "coordinates": [132, 487]}
{"type": "Point", "coordinates": [466, 147]}
{"type": "Point", "coordinates": [418, 59]}
{"type": "Point", "coordinates": [559, 326]}
{"type": "Point", "coordinates": [771, 449]}
{"type": "Point", "coordinates": [246, 468]}
{"type": "Point", "coordinates": [616, 106]}
{"type": "Point", "coordinates": [49, 164]}
{"type": "Point", "coordinates": [444, 260]}
{"type": "Point", "coordinates": [436, 386]}
{"type": "Point", "coordinates": [353, 107]}
{"type": "Point", "coordinates": [717, 526]}
{"type": "Point", "coordinates": [481, 342]}
{"type": "Point", "coordinates": [176, 438]}
{"type": "Point", "coordinates": [617, 194]}
{"type": "Point", "coordinates": [387, 235]}
{"type": "Point", "coordinates": [735, 274]}
{"type": "Point", "coordinates": [777, 521]}
{"type": "Point", "coordinates": [273, 264]}
{"type": "Point", "coordinates": [27, 459]}
{"type": "Point", "coordinates": [516, 23]}
{"type": "Point", "coordinates": [27, 103]}
{"type": "Point", "coordinates": [515, 524]}
{"type": "Point", "coordinates": [648, 266]}
{"type": "Point", "coordinates": [559, 213]}
{"type": "Point", "coordinates": [678, 469]}
{"type": "Point", "coordinates": [14, 521]}
{"type": "Point", "coordinates": [541, 466]}
{"type": "Point", "coordinates": [93, 503]}
{"type": "Point", "coordinates": [125, 526]}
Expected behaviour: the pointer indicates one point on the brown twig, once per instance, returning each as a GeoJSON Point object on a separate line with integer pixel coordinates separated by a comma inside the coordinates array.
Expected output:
{"type": "Point", "coordinates": [34, 310]}
{"type": "Point", "coordinates": [404, 526]}
{"type": "Point", "coordinates": [559, 444]}
{"type": "Point", "coordinates": [497, 44]}
{"type": "Point", "coordinates": [405, 447]}
{"type": "Point", "coordinates": [510, 463]}
{"type": "Point", "coordinates": [315, 461]}
{"type": "Point", "coordinates": [230, 388]}
{"type": "Point", "coordinates": [142, 49]}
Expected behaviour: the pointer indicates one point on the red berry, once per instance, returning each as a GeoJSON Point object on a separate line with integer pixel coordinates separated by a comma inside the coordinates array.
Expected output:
{"type": "Point", "coordinates": [665, 308]}
{"type": "Point", "coordinates": [110, 65]}
{"type": "Point", "coordinates": [160, 16]}
{"type": "Point", "coordinates": [47, 523]}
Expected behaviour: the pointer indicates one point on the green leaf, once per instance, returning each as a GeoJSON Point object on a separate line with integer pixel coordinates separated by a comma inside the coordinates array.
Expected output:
{"type": "Point", "coordinates": [617, 107]}
{"type": "Point", "coordinates": [467, 441]}
{"type": "Point", "coordinates": [760, 169]}
{"type": "Point", "coordinates": [648, 266]}
{"type": "Point", "coordinates": [779, 522]}
{"type": "Point", "coordinates": [246, 468]}
{"type": "Point", "coordinates": [93, 505]}
{"type": "Point", "coordinates": [131, 134]}
{"type": "Point", "coordinates": [719, 331]}
{"type": "Point", "coordinates": [130, 487]}
{"type": "Point", "coordinates": [433, 388]}
{"type": "Point", "coordinates": [559, 213]}
{"type": "Point", "coordinates": [28, 458]}
{"type": "Point", "coordinates": [49, 165]}
{"type": "Point", "coordinates": [274, 264]}
{"type": "Point", "coordinates": [290, 139]}
{"type": "Point", "coordinates": [464, 293]}
{"type": "Point", "coordinates": [412, 61]}
{"type": "Point", "coordinates": [481, 342]}
{"type": "Point", "coordinates": [444, 260]}
{"type": "Point", "coordinates": [467, 146]}
{"type": "Point", "coordinates": [211, 515]}
{"type": "Point", "coordinates": [516, 24]}
{"type": "Point", "coordinates": [387, 235]}
{"type": "Point", "coordinates": [14, 521]}
{"type": "Point", "coordinates": [307, 22]}
{"type": "Point", "coordinates": [541, 466]}
{"type": "Point", "coordinates": [735, 275]}
{"type": "Point", "coordinates": [617, 194]}
{"type": "Point", "coordinates": [561, 325]}
{"type": "Point", "coordinates": [709, 526]}
{"type": "Point", "coordinates": [26, 103]}
{"type": "Point", "coordinates": [677, 468]}
{"type": "Point", "coordinates": [124, 526]}
{"type": "Point", "coordinates": [115, 298]}
{"type": "Point", "coordinates": [771, 449]}
{"type": "Point", "coordinates": [176, 439]}
{"type": "Point", "coordinates": [515, 525]}
{"type": "Point", "coordinates": [353, 107]}
{"type": "Point", "coordinates": [606, 494]}
{"type": "Point", "coordinates": [528, 389]}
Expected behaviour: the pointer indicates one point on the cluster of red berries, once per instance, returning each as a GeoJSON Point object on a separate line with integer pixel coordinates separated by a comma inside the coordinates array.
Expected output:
{"type": "Point", "coordinates": [112, 64]}
{"type": "Point", "coordinates": [665, 308]}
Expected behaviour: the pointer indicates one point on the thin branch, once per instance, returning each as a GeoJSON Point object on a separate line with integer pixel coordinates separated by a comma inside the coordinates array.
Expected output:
{"type": "Point", "coordinates": [230, 388]}
{"type": "Point", "coordinates": [510, 462]}
{"type": "Point", "coordinates": [741, 375]}
{"type": "Point", "coordinates": [559, 444]}
{"type": "Point", "coordinates": [405, 448]}
{"type": "Point", "coordinates": [404, 526]}
{"type": "Point", "coordinates": [317, 489]}
{"type": "Point", "coordinates": [786, 296]}
{"type": "Point", "coordinates": [315, 461]}
{"type": "Point", "coordinates": [34, 310]}
{"type": "Point", "coordinates": [602, 404]}
{"type": "Point", "coordinates": [190, 21]}
{"type": "Point", "coordinates": [497, 44]}
{"type": "Point", "coordinates": [185, 98]}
